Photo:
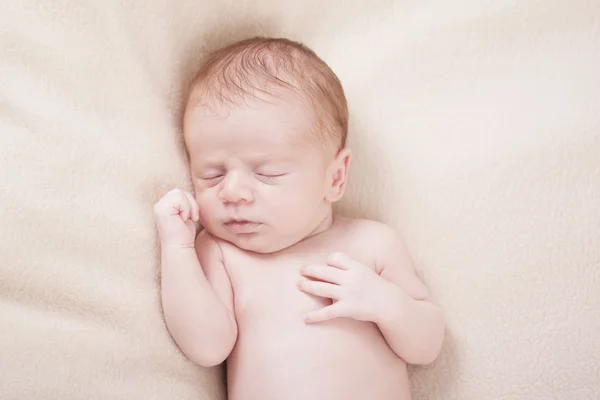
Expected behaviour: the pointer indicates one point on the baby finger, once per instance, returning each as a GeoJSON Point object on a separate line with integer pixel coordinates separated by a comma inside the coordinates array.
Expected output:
{"type": "Point", "coordinates": [321, 289]}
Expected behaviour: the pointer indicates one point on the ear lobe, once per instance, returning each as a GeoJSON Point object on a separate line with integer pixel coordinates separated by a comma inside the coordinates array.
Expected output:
{"type": "Point", "coordinates": [339, 175]}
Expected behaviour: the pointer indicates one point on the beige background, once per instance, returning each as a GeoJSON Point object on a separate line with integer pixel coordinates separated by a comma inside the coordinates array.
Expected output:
{"type": "Point", "coordinates": [476, 130]}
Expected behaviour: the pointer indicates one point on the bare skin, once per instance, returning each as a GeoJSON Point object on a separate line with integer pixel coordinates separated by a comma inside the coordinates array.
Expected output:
{"type": "Point", "coordinates": [280, 356]}
{"type": "Point", "coordinates": [301, 304]}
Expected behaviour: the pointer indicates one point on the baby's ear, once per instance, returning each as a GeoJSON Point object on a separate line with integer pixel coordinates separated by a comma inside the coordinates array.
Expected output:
{"type": "Point", "coordinates": [337, 175]}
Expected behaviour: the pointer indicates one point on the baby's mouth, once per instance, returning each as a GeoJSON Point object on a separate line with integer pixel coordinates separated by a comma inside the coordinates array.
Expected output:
{"type": "Point", "coordinates": [242, 225]}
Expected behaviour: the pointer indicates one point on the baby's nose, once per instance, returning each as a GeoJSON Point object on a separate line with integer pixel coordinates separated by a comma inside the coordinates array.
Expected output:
{"type": "Point", "coordinates": [235, 191]}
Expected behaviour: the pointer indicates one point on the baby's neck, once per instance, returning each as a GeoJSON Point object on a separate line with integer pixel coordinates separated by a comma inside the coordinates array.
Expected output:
{"type": "Point", "coordinates": [323, 225]}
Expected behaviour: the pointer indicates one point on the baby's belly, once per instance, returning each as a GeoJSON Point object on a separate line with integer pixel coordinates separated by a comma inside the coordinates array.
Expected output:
{"type": "Point", "coordinates": [286, 359]}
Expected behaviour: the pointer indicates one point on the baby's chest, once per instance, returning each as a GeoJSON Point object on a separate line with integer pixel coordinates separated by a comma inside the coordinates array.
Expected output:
{"type": "Point", "coordinates": [269, 286]}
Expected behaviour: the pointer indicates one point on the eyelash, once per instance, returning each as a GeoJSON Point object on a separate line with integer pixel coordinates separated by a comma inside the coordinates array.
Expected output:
{"type": "Point", "coordinates": [265, 176]}
{"type": "Point", "coordinates": [272, 176]}
{"type": "Point", "coordinates": [211, 178]}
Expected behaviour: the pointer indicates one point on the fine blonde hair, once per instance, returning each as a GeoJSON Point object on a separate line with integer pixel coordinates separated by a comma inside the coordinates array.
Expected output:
{"type": "Point", "coordinates": [260, 67]}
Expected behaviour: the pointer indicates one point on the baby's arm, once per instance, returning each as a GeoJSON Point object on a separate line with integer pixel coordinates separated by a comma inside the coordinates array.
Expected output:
{"type": "Point", "coordinates": [413, 325]}
{"type": "Point", "coordinates": [198, 301]}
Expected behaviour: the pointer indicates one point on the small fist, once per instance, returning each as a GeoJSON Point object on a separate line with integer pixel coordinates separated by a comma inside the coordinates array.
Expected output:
{"type": "Point", "coordinates": [176, 216]}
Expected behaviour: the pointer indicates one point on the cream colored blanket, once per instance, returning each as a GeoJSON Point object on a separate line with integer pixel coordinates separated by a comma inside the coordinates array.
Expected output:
{"type": "Point", "coordinates": [476, 130]}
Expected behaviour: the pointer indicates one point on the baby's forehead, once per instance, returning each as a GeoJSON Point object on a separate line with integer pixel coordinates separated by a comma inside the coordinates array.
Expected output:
{"type": "Point", "coordinates": [260, 143]}
{"type": "Point", "coordinates": [258, 135]}
{"type": "Point", "coordinates": [273, 157]}
{"type": "Point", "coordinates": [285, 112]}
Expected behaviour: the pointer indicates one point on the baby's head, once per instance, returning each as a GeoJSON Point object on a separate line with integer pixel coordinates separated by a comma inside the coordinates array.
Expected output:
{"type": "Point", "coordinates": [265, 128]}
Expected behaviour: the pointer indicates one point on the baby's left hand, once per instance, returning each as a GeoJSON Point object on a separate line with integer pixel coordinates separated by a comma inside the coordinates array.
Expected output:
{"type": "Point", "coordinates": [357, 291]}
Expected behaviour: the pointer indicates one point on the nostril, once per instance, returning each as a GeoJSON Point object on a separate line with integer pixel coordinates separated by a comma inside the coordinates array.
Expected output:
{"type": "Point", "coordinates": [229, 197]}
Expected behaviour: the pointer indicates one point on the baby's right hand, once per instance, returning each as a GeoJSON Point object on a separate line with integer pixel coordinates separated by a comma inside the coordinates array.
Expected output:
{"type": "Point", "coordinates": [176, 216]}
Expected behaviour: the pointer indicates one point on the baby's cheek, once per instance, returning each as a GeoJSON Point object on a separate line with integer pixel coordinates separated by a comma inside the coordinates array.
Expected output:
{"type": "Point", "coordinates": [206, 204]}
{"type": "Point", "coordinates": [208, 220]}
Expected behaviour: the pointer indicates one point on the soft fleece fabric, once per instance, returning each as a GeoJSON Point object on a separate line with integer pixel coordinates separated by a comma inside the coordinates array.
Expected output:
{"type": "Point", "coordinates": [476, 132]}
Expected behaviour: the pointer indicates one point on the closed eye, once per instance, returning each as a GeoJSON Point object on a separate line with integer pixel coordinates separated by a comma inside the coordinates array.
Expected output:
{"type": "Point", "coordinates": [267, 177]}
{"type": "Point", "coordinates": [211, 180]}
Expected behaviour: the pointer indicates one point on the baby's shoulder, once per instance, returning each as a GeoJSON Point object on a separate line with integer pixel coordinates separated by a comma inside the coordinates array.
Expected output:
{"type": "Point", "coordinates": [365, 229]}
{"type": "Point", "coordinates": [371, 239]}
{"type": "Point", "coordinates": [372, 242]}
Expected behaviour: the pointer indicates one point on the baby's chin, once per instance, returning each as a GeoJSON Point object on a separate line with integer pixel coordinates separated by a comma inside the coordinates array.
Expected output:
{"type": "Point", "coordinates": [261, 243]}
{"type": "Point", "coordinates": [257, 244]}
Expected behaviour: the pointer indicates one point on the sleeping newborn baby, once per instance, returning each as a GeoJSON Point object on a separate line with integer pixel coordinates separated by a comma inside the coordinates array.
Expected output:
{"type": "Point", "coordinates": [300, 302]}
